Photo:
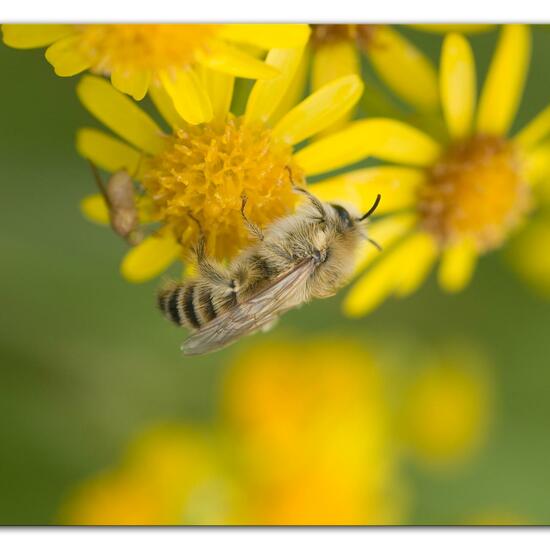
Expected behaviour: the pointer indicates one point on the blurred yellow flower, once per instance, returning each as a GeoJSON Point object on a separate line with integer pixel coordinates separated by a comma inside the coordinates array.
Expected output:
{"type": "Point", "coordinates": [200, 173]}
{"type": "Point", "coordinates": [142, 57]}
{"type": "Point", "coordinates": [313, 425]}
{"type": "Point", "coordinates": [446, 409]}
{"type": "Point", "coordinates": [308, 433]}
{"type": "Point", "coordinates": [170, 475]}
{"type": "Point", "coordinates": [455, 200]}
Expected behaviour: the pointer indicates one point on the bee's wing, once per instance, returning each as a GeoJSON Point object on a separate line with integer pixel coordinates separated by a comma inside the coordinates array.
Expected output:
{"type": "Point", "coordinates": [250, 315]}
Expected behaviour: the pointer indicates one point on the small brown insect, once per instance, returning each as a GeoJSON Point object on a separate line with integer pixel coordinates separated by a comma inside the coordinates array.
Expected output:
{"type": "Point", "coordinates": [120, 199]}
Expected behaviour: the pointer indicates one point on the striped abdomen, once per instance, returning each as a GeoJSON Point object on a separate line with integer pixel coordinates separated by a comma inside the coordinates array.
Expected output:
{"type": "Point", "coordinates": [190, 304]}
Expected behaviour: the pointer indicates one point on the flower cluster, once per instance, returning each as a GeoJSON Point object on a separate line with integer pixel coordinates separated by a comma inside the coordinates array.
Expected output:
{"type": "Point", "coordinates": [455, 185]}
{"type": "Point", "coordinates": [312, 432]}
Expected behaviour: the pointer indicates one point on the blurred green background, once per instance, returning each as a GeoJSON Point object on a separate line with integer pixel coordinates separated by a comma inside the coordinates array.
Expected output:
{"type": "Point", "coordinates": [87, 361]}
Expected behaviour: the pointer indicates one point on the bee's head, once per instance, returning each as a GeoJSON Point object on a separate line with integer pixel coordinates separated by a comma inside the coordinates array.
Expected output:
{"type": "Point", "coordinates": [348, 222]}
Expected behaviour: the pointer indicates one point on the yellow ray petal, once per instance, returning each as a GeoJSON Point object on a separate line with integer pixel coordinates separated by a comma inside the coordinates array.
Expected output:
{"type": "Point", "coordinates": [537, 164]}
{"type": "Point", "coordinates": [320, 109]}
{"type": "Point", "coordinates": [383, 138]}
{"type": "Point", "coordinates": [230, 60]}
{"type": "Point", "coordinates": [219, 87]}
{"type": "Point", "coordinates": [526, 256]}
{"type": "Point", "coordinates": [404, 68]}
{"type": "Point", "coordinates": [330, 62]}
{"type": "Point", "coordinates": [534, 131]}
{"type": "Point", "coordinates": [150, 258]}
{"type": "Point", "coordinates": [267, 36]}
{"type": "Point", "coordinates": [34, 36]}
{"type": "Point", "coordinates": [416, 259]}
{"type": "Point", "coordinates": [383, 278]}
{"type": "Point", "coordinates": [66, 57]}
{"type": "Point", "coordinates": [386, 232]}
{"type": "Point", "coordinates": [119, 113]}
{"type": "Point", "coordinates": [457, 265]}
{"type": "Point", "coordinates": [165, 106]}
{"type": "Point", "coordinates": [108, 152]}
{"type": "Point", "coordinates": [188, 93]}
{"type": "Point", "coordinates": [452, 27]}
{"type": "Point", "coordinates": [397, 186]}
{"type": "Point", "coordinates": [295, 92]}
{"type": "Point", "coordinates": [94, 208]}
{"type": "Point", "coordinates": [458, 85]}
{"type": "Point", "coordinates": [266, 95]}
{"type": "Point", "coordinates": [131, 82]}
{"type": "Point", "coordinates": [371, 289]}
{"type": "Point", "coordinates": [503, 86]}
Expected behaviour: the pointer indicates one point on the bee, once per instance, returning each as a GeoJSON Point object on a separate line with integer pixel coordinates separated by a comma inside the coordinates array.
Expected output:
{"type": "Point", "coordinates": [123, 213]}
{"type": "Point", "coordinates": [309, 254]}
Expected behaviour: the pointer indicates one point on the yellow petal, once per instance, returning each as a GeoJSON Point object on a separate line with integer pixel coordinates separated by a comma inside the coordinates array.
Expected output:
{"type": "Point", "coordinates": [383, 138]}
{"type": "Point", "coordinates": [108, 152]}
{"type": "Point", "coordinates": [295, 92]}
{"type": "Point", "coordinates": [34, 36]}
{"type": "Point", "coordinates": [165, 106]}
{"type": "Point", "coordinates": [537, 164]}
{"type": "Point", "coordinates": [66, 58]}
{"type": "Point", "coordinates": [503, 86]}
{"type": "Point", "coordinates": [267, 36]}
{"type": "Point", "coordinates": [397, 185]}
{"type": "Point", "coordinates": [457, 265]}
{"type": "Point", "coordinates": [393, 272]}
{"type": "Point", "coordinates": [416, 259]}
{"type": "Point", "coordinates": [526, 254]}
{"type": "Point", "coordinates": [534, 131]}
{"type": "Point", "coordinates": [119, 113]}
{"type": "Point", "coordinates": [386, 232]}
{"type": "Point", "coordinates": [372, 288]}
{"type": "Point", "coordinates": [131, 82]}
{"type": "Point", "coordinates": [95, 209]}
{"type": "Point", "coordinates": [266, 95]}
{"type": "Point", "coordinates": [189, 95]}
{"type": "Point", "coordinates": [320, 109]}
{"type": "Point", "coordinates": [458, 85]}
{"type": "Point", "coordinates": [230, 60]}
{"type": "Point", "coordinates": [404, 68]}
{"type": "Point", "coordinates": [452, 27]}
{"type": "Point", "coordinates": [219, 87]}
{"type": "Point", "coordinates": [330, 62]}
{"type": "Point", "coordinates": [150, 258]}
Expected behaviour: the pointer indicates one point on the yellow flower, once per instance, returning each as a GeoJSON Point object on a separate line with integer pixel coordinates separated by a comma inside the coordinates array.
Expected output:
{"type": "Point", "coordinates": [171, 57]}
{"type": "Point", "coordinates": [313, 424]}
{"type": "Point", "coordinates": [309, 432]}
{"type": "Point", "coordinates": [197, 175]}
{"type": "Point", "coordinates": [171, 475]}
{"type": "Point", "coordinates": [445, 409]}
{"type": "Point", "coordinates": [455, 200]}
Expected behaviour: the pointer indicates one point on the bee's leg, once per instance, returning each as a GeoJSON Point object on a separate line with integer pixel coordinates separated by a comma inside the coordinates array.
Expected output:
{"type": "Point", "coordinates": [312, 198]}
{"type": "Point", "coordinates": [252, 227]}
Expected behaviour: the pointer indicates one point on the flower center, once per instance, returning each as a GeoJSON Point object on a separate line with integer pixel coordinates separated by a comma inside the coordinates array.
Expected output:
{"type": "Point", "coordinates": [327, 34]}
{"type": "Point", "coordinates": [152, 47]}
{"type": "Point", "coordinates": [202, 175]}
{"type": "Point", "coordinates": [475, 190]}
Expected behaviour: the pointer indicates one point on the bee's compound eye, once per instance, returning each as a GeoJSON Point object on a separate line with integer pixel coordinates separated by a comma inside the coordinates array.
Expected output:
{"type": "Point", "coordinates": [343, 215]}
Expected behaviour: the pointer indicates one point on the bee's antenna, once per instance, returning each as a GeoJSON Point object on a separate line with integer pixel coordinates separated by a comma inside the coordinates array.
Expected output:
{"type": "Point", "coordinates": [372, 209]}
{"type": "Point", "coordinates": [375, 244]}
